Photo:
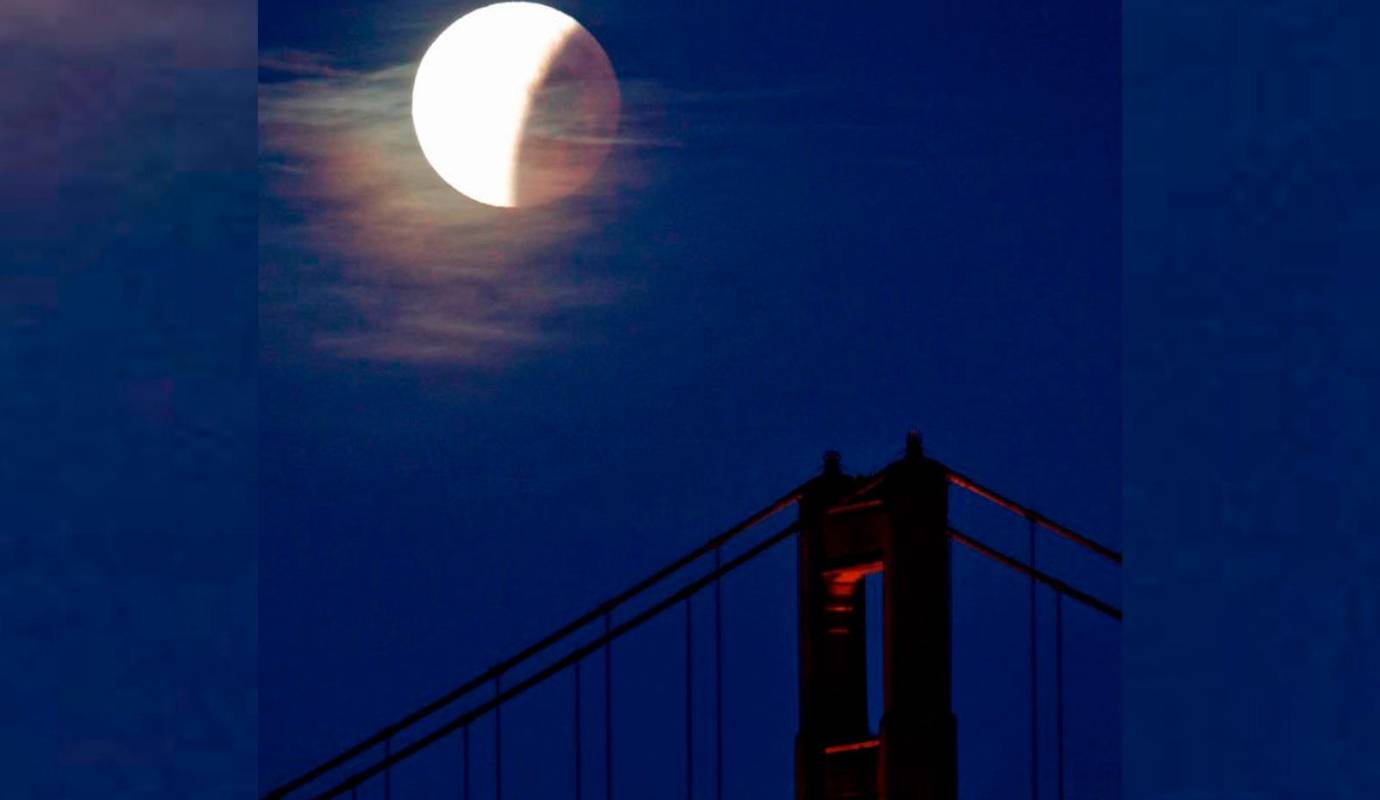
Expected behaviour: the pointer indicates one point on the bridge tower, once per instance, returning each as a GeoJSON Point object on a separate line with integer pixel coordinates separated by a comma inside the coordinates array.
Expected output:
{"type": "Point", "coordinates": [850, 529]}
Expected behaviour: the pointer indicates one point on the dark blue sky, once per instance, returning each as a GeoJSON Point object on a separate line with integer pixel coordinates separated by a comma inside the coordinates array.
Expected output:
{"type": "Point", "coordinates": [128, 424]}
{"type": "Point", "coordinates": [824, 227]}
{"type": "Point", "coordinates": [127, 351]}
{"type": "Point", "coordinates": [127, 356]}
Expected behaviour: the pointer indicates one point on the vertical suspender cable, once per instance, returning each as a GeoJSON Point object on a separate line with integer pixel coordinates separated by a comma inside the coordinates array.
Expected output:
{"type": "Point", "coordinates": [608, 711]}
{"type": "Point", "coordinates": [465, 746]}
{"type": "Point", "coordinates": [498, 740]}
{"type": "Point", "coordinates": [388, 773]}
{"type": "Point", "coordinates": [718, 682]}
{"type": "Point", "coordinates": [578, 756]}
{"type": "Point", "coordinates": [1034, 681]}
{"type": "Point", "coordinates": [689, 699]}
{"type": "Point", "coordinates": [1059, 685]}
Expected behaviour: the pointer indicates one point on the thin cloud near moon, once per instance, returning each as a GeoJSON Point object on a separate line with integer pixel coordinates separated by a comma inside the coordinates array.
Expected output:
{"type": "Point", "coordinates": [366, 253]}
{"type": "Point", "coordinates": [207, 34]}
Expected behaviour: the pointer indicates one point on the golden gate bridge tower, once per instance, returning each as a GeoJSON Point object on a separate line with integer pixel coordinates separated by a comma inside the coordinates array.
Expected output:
{"type": "Point", "coordinates": [895, 524]}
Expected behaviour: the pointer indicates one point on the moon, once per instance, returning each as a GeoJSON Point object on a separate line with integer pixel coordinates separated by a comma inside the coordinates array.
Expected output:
{"type": "Point", "coordinates": [515, 104]}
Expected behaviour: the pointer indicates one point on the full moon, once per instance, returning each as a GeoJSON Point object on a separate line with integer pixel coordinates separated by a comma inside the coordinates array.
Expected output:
{"type": "Point", "coordinates": [515, 104]}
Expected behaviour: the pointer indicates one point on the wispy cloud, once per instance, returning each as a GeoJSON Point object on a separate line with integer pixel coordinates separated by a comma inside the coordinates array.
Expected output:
{"type": "Point", "coordinates": [366, 253]}
{"type": "Point", "coordinates": [210, 33]}
{"type": "Point", "coordinates": [363, 243]}
{"type": "Point", "coordinates": [300, 63]}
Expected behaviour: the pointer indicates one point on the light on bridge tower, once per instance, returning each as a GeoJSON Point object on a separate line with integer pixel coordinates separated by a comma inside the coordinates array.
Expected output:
{"type": "Point", "coordinates": [851, 527]}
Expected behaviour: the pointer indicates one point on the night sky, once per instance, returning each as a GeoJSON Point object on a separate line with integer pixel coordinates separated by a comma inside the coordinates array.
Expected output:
{"type": "Point", "coordinates": [818, 228]}
{"type": "Point", "coordinates": [293, 438]}
{"type": "Point", "coordinates": [127, 434]}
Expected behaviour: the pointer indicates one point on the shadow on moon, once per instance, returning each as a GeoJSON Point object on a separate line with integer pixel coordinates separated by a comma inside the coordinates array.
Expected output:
{"type": "Point", "coordinates": [569, 123]}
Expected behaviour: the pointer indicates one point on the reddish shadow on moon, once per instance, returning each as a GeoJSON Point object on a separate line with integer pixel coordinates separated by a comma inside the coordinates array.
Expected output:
{"type": "Point", "coordinates": [569, 123]}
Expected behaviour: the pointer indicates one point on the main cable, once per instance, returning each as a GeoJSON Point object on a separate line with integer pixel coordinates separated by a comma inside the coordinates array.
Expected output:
{"type": "Point", "coordinates": [560, 664]}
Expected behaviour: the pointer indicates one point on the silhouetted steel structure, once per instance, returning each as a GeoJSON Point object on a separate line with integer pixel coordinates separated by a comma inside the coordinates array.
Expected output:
{"type": "Point", "coordinates": [894, 522]}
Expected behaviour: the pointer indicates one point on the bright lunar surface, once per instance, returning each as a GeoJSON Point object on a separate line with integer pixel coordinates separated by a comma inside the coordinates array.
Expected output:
{"type": "Point", "coordinates": [515, 104]}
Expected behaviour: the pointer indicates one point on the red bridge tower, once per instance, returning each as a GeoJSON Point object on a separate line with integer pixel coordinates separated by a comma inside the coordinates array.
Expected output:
{"type": "Point", "coordinates": [895, 524]}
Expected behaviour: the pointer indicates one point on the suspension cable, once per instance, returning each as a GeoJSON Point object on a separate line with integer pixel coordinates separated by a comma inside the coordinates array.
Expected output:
{"type": "Point", "coordinates": [780, 504]}
{"type": "Point", "coordinates": [1034, 680]}
{"type": "Point", "coordinates": [498, 739]}
{"type": "Point", "coordinates": [608, 707]}
{"type": "Point", "coordinates": [718, 681]}
{"type": "Point", "coordinates": [1048, 580]}
{"type": "Point", "coordinates": [1059, 690]}
{"type": "Point", "coordinates": [556, 666]}
{"type": "Point", "coordinates": [964, 482]}
{"type": "Point", "coordinates": [578, 747]}
{"type": "Point", "coordinates": [689, 698]}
